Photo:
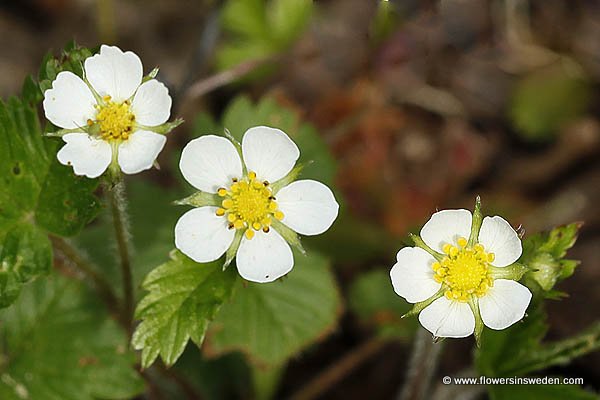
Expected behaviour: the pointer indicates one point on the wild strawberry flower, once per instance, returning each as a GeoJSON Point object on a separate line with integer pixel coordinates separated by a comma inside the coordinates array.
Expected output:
{"type": "Point", "coordinates": [462, 274]}
{"type": "Point", "coordinates": [250, 209]}
{"type": "Point", "coordinates": [112, 117]}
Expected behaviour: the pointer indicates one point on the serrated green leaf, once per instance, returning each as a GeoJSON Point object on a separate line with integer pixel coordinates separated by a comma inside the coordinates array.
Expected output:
{"type": "Point", "coordinates": [536, 392]}
{"type": "Point", "coordinates": [372, 299]}
{"type": "Point", "coordinates": [38, 195]}
{"type": "Point", "coordinates": [543, 253]}
{"type": "Point", "coordinates": [59, 344]}
{"type": "Point", "coordinates": [67, 202]}
{"type": "Point", "coordinates": [183, 297]}
{"type": "Point", "coordinates": [271, 322]}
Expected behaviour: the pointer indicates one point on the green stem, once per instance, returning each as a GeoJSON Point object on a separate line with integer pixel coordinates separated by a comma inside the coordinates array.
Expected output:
{"type": "Point", "coordinates": [423, 363]}
{"type": "Point", "coordinates": [118, 208]}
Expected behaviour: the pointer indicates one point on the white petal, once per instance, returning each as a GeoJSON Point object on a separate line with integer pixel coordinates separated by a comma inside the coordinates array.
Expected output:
{"type": "Point", "coordinates": [113, 72]}
{"type": "Point", "coordinates": [412, 276]}
{"type": "Point", "coordinates": [152, 103]}
{"type": "Point", "coordinates": [70, 103]}
{"type": "Point", "coordinates": [308, 206]}
{"type": "Point", "coordinates": [497, 236]}
{"type": "Point", "coordinates": [269, 152]}
{"type": "Point", "coordinates": [445, 318]}
{"type": "Point", "coordinates": [139, 151]}
{"type": "Point", "coordinates": [445, 227]}
{"type": "Point", "coordinates": [202, 236]}
{"type": "Point", "coordinates": [88, 156]}
{"type": "Point", "coordinates": [504, 304]}
{"type": "Point", "coordinates": [265, 257]}
{"type": "Point", "coordinates": [210, 162]}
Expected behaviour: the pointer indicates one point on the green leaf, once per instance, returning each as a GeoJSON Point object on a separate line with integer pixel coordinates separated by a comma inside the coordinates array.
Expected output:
{"type": "Point", "coordinates": [24, 253]}
{"type": "Point", "coordinates": [271, 322]}
{"type": "Point", "coordinates": [535, 392]}
{"type": "Point", "coordinates": [183, 298]}
{"type": "Point", "coordinates": [559, 352]}
{"type": "Point", "coordinates": [59, 344]}
{"type": "Point", "coordinates": [71, 59]}
{"type": "Point", "coordinates": [67, 202]}
{"type": "Point", "coordinates": [501, 351]}
{"type": "Point", "coordinates": [38, 195]}
{"type": "Point", "coordinates": [519, 349]}
{"type": "Point", "coordinates": [257, 29]}
{"type": "Point", "coordinates": [546, 100]}
{"type": "Point", "coordinates": [543, 253]}
{"type": "Point", "coordinates": [242, 114]}
{"type": "Point", "coordinates": [372, 299]}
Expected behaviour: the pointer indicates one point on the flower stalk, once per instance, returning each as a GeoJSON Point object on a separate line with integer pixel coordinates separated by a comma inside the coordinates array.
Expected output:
{"type": "Point", "coordinates": [118, 205]}
{"type": "Point", "coordinates": [423, 363]}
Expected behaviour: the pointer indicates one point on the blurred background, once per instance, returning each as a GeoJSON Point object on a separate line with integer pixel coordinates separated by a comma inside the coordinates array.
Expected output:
{"type": "Point", "coordinates": [422, 105]}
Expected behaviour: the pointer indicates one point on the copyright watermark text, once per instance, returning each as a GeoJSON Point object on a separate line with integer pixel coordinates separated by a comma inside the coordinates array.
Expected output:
{"type": "Point", "coordinates": [515, 380]}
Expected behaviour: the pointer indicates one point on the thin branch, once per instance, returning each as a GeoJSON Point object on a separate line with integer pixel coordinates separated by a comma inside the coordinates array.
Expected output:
{"type": "Point", "coordinates": [423, 363]}
{"type": "Point", "coordinates": [204, 86]}
{"type": "Point", "coordinates": [81, 263]}
{"type": "Point", "coordinates": [338, 370]}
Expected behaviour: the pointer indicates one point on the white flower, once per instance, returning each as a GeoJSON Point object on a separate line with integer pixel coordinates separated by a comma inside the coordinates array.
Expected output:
{"type": "Point", "coordinates": [462, 274]}
{"type": "Point", "coordinates": [111, 116]}
{"type": "Point", "coordinates": [249, 212]}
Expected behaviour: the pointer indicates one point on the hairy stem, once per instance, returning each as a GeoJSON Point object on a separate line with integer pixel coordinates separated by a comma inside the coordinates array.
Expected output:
{"type": "Point", "coordinates": [119, 215]}
{"type": "Point", "coordinates": [342, 367]}
{"type": "Point", "coordinates": [423, 363]}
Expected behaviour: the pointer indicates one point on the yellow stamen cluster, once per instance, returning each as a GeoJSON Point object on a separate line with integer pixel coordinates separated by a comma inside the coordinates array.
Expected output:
{"type": "Point", "coordinates": [249, 204]}
{"type": "Point", "coordinates": [116, 121]}
{"type": "Point", "coordinates": [464, 271]}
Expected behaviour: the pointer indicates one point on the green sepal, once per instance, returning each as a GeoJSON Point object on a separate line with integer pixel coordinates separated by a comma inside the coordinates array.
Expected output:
{"type": "Point", "coordinates": [164, 128]}
{"type": "Point", "coordinates": [476, 223]}
{"type": "Point", "coordinates": [238, 147]}
{"type": "Point", "coordinates": [418, 307]}
{"type": "Point", "coordinates": [544, 254]}
{"type": "Point", "coordinates": [474, 304]}
{"type": "Point", "coordinates": [200, 199]}
{"type": "Point", "coordinates": [232, 250]}
{"type": "Point", "coordinates": [421, 244]}
{"type": "Point", "coordinates": [151, 75]}
{"type": "Point", "coordinates": [289, 178]}
{"type": "Point", "coordinates": [63, 132]}
{"type": "Point", "coordinates": [289, 235]}
{"type": "Point", "coordinates": [513, 272]}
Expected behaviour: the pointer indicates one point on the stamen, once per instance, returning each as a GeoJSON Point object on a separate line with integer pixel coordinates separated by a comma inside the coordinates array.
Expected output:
{"type": "Point", "coordinates": [464, 271]}
{"type": "Point", "coordinates": [115, 120]}
{"type": "Point", "coordinates": [248, 204]}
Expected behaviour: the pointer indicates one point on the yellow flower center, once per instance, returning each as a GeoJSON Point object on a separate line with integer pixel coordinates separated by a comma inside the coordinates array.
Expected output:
{"type": "Point", "coordinates": [464, 271]}
{"type": "Point", "coordinates": [116, 121]}
{"type": "Point", "coordinates": [249, 204]}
